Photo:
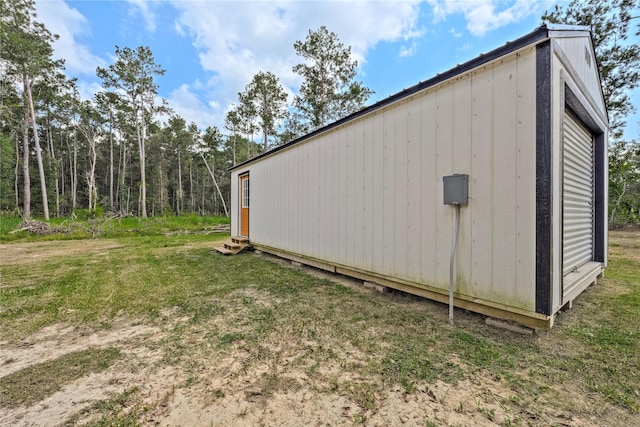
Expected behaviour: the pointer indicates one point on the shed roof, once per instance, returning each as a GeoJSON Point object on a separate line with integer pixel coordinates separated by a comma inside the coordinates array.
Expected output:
{"type": "Point", "coordinates": [541, 33]}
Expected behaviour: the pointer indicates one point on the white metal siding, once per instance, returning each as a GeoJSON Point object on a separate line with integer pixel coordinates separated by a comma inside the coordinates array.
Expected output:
{"type": "Point", "coordinates": [368, 194]}
{"type": "Point", "coordinates": [583, 66]}
{"type": "Point", "coordinates": [577, 202]}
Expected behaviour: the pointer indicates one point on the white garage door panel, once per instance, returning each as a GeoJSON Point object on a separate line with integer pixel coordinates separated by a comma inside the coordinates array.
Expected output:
{"type": "Point", "coordinates": [577, 204]}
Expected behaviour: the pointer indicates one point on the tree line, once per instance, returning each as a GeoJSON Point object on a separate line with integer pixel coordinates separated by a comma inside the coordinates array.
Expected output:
{"type": "Point", "coordinates": [128, 153]}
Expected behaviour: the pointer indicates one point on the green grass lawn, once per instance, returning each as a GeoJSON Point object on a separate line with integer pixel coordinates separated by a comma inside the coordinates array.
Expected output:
{"type": "Point", "coordinates": [154, 270]}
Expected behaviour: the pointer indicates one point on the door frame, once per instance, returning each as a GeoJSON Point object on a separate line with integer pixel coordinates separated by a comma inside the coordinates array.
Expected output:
{"type": "Point", "coordinates": [244, 202]}
{"type": "Point", "coordinates": [573, 100]}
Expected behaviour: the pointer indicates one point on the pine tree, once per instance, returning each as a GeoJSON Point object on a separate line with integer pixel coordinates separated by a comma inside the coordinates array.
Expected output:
{"type": "Point", "coordinates": [618, 56]}
{"type": "Point", "coordinates": [133, 73]}
{"type": "Point", "coordinates": [26, 54]}
{"type": "Point", "coordinates": [328, 91]}
{"type": "Point", "coordinates": [268, 99]}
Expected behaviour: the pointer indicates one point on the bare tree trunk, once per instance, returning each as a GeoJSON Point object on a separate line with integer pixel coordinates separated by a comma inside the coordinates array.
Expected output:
{"type": "Point", "coordinates": [226, 212]}
{"type": "Point", "coordinates": [53, 163]}
{"type": "Point", "coordinates": [57, 191]}
{"type": "Point", "coordinates": [143, 180]}
{"type": "Point", "coordinates": [93, 191]}
{"type": "Point", "coordinates": [202, 207]}
{"type": "Point", "coordinates": [617, 204]}
{"type": "Point", "coordinates": [36, 140]}
{"type": "Point", "coordinates": [265, 139]}
{"type": "Point", "coordinates": [141, 133]}
{"type": "Point", "coordinates": [90, 175]}
{"type": "Point", "coordinates": [62, 178]}
{"type": "Point", "coordinates": [17, 176]}
{"type": "Point", "coordinates": [61, 174]}
{"type": "Point", "coordinates": [111, 202]}
{"type": "Point", "coordinates": [74, 182]}
{"type": "Point", "coordinates": [128, 199]}
{"type": "Point", "coordinates": [26, 202]}
{"type": "Point", "coordinates": [140, 201]}
{"type": "Point", "coordinates": [162, 203]}
{"type": "Point", "coordinates": [179, 195]}
{"type": "Point", "coordinates": [120, 177]}
{"type": "Point", "coordinates": [234, 147]}
{"type": "Point", "coordinates": [191, 186]}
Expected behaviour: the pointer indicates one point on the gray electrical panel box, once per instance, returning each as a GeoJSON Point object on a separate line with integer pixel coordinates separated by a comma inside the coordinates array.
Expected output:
{"type": "Point", "coordinates": [456, 189]}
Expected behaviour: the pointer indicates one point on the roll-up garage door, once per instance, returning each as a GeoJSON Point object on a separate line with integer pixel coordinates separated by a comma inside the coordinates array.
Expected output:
{"type": "Point", "coordinates": [577, 202]}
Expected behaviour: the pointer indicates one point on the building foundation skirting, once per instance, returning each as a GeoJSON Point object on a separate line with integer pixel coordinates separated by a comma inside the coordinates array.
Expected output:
{"type": "Point", "coordinates": [529, 319]}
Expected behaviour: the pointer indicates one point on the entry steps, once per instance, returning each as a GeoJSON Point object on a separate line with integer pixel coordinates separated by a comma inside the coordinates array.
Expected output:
{"type": "Point", "coordinates": [233, 245]}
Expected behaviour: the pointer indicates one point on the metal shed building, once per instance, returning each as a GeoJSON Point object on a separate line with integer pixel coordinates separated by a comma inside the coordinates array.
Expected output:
{"type": "Point", "coordinates": [364, 196]}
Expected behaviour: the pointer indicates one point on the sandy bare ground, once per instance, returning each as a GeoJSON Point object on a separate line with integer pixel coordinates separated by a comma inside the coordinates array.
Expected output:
{"type": "Point", "coordinates": [229, 391]}
{"type": "Point", "coordinates": [232, 388]}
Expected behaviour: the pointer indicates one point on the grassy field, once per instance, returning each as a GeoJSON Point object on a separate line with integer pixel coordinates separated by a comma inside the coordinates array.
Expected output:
{"type": "Point", "coordinates": [172, 333]}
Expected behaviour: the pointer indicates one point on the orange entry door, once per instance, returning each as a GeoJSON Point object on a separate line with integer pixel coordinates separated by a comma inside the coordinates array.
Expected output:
{"type": "Point", "coordinates": [244, 205]}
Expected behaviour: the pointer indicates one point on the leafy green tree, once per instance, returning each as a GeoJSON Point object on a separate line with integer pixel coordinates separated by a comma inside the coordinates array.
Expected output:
{"type": "Point", "coordinates": [617, 54]}
{"type": "Point", "coordinates": [624, 183]}
{"type": "Point", "coordinates": [328, 91]}
{"type": "Point", "coordinates": [108, 103]}
{"type": "Point", "coordinates": [179, 139]}
{"type": "Point", "coordinates": [59, 103]}
{"type": "Point", "coordinates": [133, 73]}
{"type": "Point", "coordinates": [232, 123]}
{"type": "Point", "coordinates": [26, 53]}
{"type": "Point", "coordinates": [10, 132]}
{"type": "Point", "coordinates": [248, 115]}
{"type": "Point", "coordinates": [269, 101]}
{"type": "Point", "coordinates": [90, 126]}
{"type": "Point", "coordinates": [7, 155]}
{"type": "Point", "coordinates": [209, 147]}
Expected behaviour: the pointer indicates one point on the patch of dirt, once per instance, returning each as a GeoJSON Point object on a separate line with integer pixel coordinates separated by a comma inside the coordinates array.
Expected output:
{"type": "Point", "coordinates": [57, 340]}
{"type": "Point", "coordinates": [236, 389]}
{"type": "Point", "coordinates": [280, 385]}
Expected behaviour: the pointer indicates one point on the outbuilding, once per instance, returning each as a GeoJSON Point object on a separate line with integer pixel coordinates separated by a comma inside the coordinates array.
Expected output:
{"type": "Point", "coordinates": [524, 127]}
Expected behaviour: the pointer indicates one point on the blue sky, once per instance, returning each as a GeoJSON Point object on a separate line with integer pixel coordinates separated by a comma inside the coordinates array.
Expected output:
{"type": "Point", "coordinates": [212, 49]}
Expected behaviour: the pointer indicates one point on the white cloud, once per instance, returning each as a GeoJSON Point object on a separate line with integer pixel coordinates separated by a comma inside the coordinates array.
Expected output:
{"type": "Point", "coordinates": [71, 26]}
{"type": "Point", "coordinates": [406, 51]}
{"type": "Point", "coordinates": [486, 15]}
{"type": "Point", "coordinates": [87, 90]}
{"type": "Point", "coordinates": [145, 9]}
{"type": "Point", "coordinates": [235, 40]}
{"type": "Point", "coordinates": [187, 104]}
